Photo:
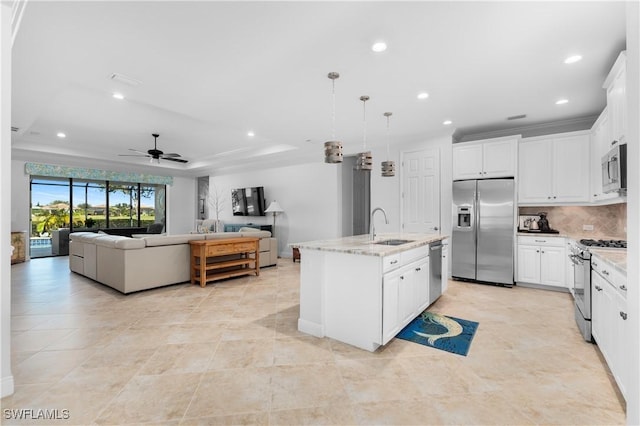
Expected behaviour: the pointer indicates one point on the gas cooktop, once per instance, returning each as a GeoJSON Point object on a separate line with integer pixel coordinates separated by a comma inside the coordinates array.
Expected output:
{"type": "Point", "coordinates": [613, 244]}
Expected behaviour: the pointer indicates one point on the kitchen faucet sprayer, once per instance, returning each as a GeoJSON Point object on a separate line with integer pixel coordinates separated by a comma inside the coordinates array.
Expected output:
{"type": "Point", "coordinates": [372, 229]}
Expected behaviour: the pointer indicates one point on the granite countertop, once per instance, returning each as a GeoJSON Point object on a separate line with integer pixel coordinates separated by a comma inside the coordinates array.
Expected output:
{"type": "Point", "coordinates": [360, 244]}
{"type": "Point", "coordinates": [617, 258]}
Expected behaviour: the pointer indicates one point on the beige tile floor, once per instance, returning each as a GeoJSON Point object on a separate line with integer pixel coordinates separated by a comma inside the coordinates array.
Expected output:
{"type": "Point", "coordinates": [230, 353]}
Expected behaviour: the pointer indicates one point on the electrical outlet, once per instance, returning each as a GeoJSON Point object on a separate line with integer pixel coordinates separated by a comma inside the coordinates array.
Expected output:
{"type": "Point", "coordinates": [587, 227]}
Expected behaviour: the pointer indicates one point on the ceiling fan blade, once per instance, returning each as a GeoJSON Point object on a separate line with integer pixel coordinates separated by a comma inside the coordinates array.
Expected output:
{"type": "Point", "coordinates": [139, 152]}
{"type": "Point", "coordinates": [177, 160]}
{"type": "Point", "coordinates": [133, 155]}
{"type": "Point", "coordinates": [171, 154]}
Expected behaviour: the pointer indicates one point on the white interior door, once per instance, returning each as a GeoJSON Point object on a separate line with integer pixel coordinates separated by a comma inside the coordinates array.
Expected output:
{"type": "Point", "coordinates": [421, 191]}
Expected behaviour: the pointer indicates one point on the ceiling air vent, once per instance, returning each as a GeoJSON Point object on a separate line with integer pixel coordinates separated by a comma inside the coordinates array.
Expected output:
{"type": "Point", "coordinates": [125, 79]}
{"type": "Point", "coordinates": [516, 117]}
{"type": "Point", "coordinates": [14, 129]}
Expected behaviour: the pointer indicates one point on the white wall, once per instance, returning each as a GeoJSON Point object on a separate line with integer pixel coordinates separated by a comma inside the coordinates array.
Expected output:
{"type": "Point", "coordinates": [633, 208]}
{"type": "Point", "coordinates": [6, 377]}
{"type": "Point", "coordinates": [308, 193]}
{"type": "Point", "coordinates": [181, 205]}
{"type": "Point", "coordinates": [19, 197]}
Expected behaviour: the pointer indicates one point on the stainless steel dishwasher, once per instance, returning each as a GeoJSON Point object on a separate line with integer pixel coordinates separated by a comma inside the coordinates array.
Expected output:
{"type": "Point", "coordinates": [435, 271]}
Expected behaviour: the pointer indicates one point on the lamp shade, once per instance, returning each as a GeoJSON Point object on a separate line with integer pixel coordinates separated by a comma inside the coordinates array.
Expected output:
{"type": "Point", "coordinates": [274, 207]}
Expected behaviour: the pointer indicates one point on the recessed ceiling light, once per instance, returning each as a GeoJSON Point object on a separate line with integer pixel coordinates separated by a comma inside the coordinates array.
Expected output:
{"type": "Point", "coordinates": [572, 59]}
{"type": "Point", "coordinates": [61, 135]}
{"type": "Point", "coordinates": [423, 95]}
{"type": "Point", "coordinates": [250, 134]}
{"type": "Point", "coordinates": [379, 46]}
{"type": "Point", "coordinates": [562, 101]}
{"type": "Point", "coordinates": [447, 122]}
{"type": "Point", "coordinates": [118, 96]}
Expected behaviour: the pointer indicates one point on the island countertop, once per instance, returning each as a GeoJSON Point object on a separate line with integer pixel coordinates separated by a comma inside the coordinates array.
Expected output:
{"type": "Point", "coordinates": [360, 244]}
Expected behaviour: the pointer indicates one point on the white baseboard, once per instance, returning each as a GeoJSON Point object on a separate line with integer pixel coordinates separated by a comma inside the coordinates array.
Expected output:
{"type": "Point", "coordinates": [311, 328]}
{"type": "Point", "coordinates": [7, 386]}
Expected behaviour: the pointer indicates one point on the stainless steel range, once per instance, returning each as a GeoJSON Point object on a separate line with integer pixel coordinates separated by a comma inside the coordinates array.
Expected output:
{"type": "Point", "coordinates": [580, 256]}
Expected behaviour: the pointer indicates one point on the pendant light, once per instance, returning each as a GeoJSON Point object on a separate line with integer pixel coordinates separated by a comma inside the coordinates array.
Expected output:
{"type": "Point", "coordinates": [333, 148]}
{"type": "Point", "coordinates": [364, 161]}
{"type": "Point", "coordinates": [388, 167]}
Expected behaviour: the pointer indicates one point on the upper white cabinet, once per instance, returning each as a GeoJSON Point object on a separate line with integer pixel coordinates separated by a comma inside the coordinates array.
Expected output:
{"type": "Point", "coordinates": [554, 169]}
{"type": "Point", "coordinates": [616, 87]}
{"type": "Point", "coordinates": [600, 144]}
{"type": "Point", "coordinates": [485, 159]}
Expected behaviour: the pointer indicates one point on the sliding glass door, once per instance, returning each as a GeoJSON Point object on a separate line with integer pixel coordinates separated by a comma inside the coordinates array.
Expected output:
{"type": "Point", "coordinates": [63, 205]}
{"type": "Point", "coordinates": [50, 212]}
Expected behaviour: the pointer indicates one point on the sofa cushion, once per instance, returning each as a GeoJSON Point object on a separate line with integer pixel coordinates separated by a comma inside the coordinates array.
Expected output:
{"type": "Point", "coordinates": [84, 237]}
{"type": "Point", "coordinates": [169, 240]}
{"type": "Point", "coordinates": [119, 242]}
{"type": "Point", "coordinates": [253, 232]}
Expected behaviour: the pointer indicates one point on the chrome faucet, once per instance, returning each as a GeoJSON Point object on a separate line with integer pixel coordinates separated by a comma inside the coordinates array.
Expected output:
{"type": "Point", "coordinates": [372, 229]}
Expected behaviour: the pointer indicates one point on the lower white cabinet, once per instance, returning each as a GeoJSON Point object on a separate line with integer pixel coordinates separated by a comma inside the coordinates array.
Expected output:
{"type": "Point", "coordinates": [405, 294]}
{"type": "Point", "coordinates": [609, 324]}
{"type": "Point", "coordinates": [542, 260]}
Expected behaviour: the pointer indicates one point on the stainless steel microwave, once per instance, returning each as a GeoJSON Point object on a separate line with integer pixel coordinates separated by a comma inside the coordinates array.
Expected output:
{"type": "Point", "coordinates": [614, 170]}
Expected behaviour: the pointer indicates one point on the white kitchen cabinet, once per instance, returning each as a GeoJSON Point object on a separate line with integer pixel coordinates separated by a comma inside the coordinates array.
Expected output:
{"type": "Point", "coordinates": [485, 159]}
{"type": "Point", "coordinates": [600, 145]}
{"type": "Point", "coordinates": [621, 362]}
{"type": "Point", "coordinates": [609, 324]}
{"type": "Point", "coordinates": [405, 296]}
{"type": "Point", "coordinates": [554, 169]}
{"type": "Point", "coordinates": [467, 161]}
{"type": "Point", "coordinates": [391, 304]}
{"type": "Point", "coordinates": [615, 85]}
{"type": "Point", "coordinates": [542, 260]}
{"type": "Point", "coordinates": [528, 263]}
{"type": "Point", "coordinates": [420, 277]}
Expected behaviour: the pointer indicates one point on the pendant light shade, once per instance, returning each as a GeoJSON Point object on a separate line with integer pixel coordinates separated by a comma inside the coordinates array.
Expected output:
{"type": "Point", "coordinates": [364, 160]}
{"type": "Point", "coordinates": [333, 148]}
{"type": "Point", "coordinates": [388, 167]}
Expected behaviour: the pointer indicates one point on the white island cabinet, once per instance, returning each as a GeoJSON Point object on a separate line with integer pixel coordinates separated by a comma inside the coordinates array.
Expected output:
{"type": "Point", "coordinates": [360, 292]}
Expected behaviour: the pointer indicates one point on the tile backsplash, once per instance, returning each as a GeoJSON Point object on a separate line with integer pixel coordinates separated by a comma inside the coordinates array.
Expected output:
{"type": "Point", "coordinates": [608, 221]}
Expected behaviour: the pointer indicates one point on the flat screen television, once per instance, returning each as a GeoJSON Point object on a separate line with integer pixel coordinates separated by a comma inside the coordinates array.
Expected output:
{"type": "Point", "coordinates": [248, 201]}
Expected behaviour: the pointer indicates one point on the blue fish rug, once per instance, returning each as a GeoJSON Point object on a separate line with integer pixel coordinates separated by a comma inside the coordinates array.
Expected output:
{"type": "Point", "coordinates": [441, 332]}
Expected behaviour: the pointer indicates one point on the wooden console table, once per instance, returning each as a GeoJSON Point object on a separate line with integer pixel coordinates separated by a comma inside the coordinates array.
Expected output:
{"type": "Point", "coordinates": [205, 267]}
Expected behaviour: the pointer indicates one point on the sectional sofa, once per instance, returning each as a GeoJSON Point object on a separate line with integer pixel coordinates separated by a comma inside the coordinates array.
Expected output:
{"type": "Point", "coordinates": [148, 261]}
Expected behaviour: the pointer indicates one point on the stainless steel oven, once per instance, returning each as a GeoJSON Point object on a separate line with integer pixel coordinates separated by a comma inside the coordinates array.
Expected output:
{"type": "Point", "coordinates": [581, 260]}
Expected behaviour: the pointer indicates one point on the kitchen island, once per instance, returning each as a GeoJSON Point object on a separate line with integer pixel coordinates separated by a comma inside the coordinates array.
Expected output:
{"type": "Point", "coordinates": [364, 292]}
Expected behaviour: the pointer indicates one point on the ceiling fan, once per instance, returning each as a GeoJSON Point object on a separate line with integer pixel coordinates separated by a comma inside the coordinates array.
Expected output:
{"type": "Point", "coordinates": [155, 153]}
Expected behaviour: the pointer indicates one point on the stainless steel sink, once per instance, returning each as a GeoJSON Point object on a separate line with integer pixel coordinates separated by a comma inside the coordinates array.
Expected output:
{"type": "Point", "coordinates": [393, 242]}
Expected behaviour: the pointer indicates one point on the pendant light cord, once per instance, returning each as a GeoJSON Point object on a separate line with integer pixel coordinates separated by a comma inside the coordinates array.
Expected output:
{"type": "Point", "coordinates": [333, 113]}
{"type": "Point", "coordinates": [364, 123]}
{"type": "Point", "coordinates": [388, 115]}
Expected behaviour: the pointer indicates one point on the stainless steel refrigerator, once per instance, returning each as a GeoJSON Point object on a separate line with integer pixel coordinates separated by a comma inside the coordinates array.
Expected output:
{"type": "Point", "coordinates": [482, 240]}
